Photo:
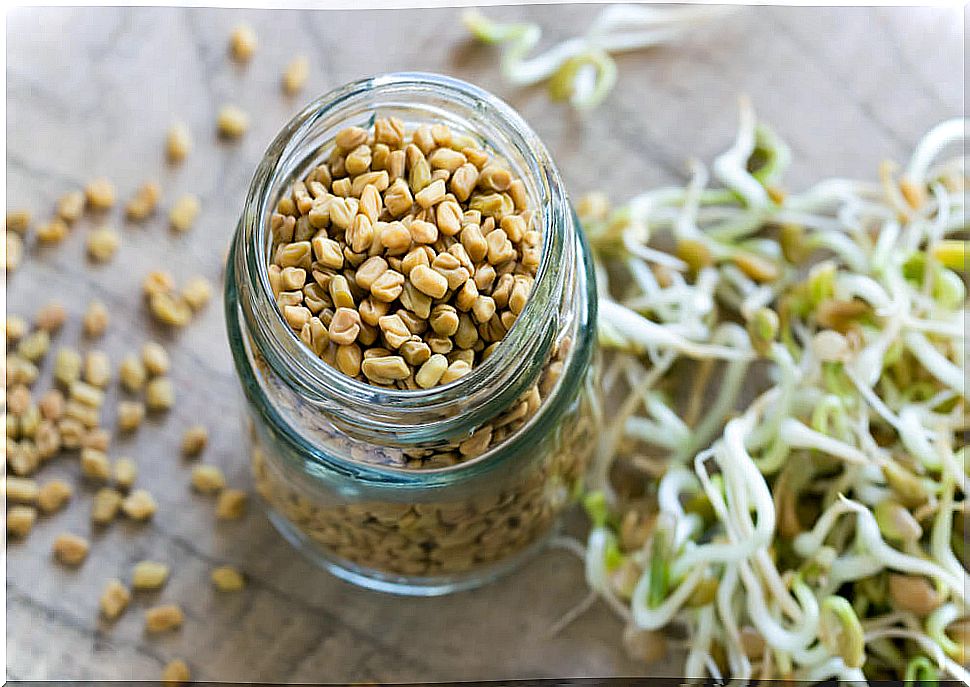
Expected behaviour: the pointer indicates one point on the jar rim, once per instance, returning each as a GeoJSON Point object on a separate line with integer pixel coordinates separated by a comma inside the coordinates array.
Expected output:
{"type": "Point", "coordinates": [530, 335]}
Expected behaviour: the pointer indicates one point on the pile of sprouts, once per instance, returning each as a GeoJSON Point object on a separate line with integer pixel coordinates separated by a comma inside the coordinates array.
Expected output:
{"type": "Point", "coordinates": [785, 480]}
{"type": "Point", "coordinates": [580, 70]}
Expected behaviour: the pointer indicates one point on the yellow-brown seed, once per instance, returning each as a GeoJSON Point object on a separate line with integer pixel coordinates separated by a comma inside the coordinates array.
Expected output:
{"type": "Point", "coordinates": [197, 292]}
{"type": "Point", "coordinates": [232, 122]}
{"type": "Point", "coordinates": [176, 673]}
{"type": "Point", "coordinates": [227, 579]}
{"type": "Point", "coordinates": [207, 479]}
{"type": "Point", "coordinates": [160, 394]}
{"type": "Point", "coordinates": [178, 143]}
{"type": "Point", "coordinates": [18, 221]}
{"type": "Point", "coordinates": [242, 43]}
{"type": "Point", "coordinates": [54, 495]}
{"type": "Point", "coordinates": [194, 440]}
{"type": "Point", "coordinates": [95, 320]}
{"type": "Point", "coordinates": [70, 549]}
{"type": "Point", "coordinates": [139, 505]}
{"type": "Point", "coordinates": [155, 358]}
{"type": "Point", "coordinates": [51, 404]}
{"type": "Point", "coordinates": [914, 594]}
{"type": "Point", "coordinates": [15, 250]}
{"type": "Point", "coordinates": [103, 243]}
{"type": "Point", "coordinates": [114, 599]}
{"type": "Point", "coordinates": [163, 618]}
{"type": "Point", "coordinates": [231, 504]}
{"type": "Point", "coordinates": [70, 206]}
{"type": "Point", "coordinates": [149, 575]}
{"type": "Point", "coordinates": [144, 202]}
{"type": "Point", "coordinates": [100, 194]}
{"type": "Point", "coordinates": [51, 316]}
{"type": "Point", "coordinates": [35, 345]}
{"type": "Point", "coordinates": [157, 281]}
{"type": "Point", "coordinates": [97, 369]}
{"type": "Point", "coordinates": [125, 473]}
{"type": "Point", "coordinates": [95, 465]}
{"type": "Point", "coordinates": [105, 505]}
{"type": "Point", "coordinates": [184, 213]}
{"type": "Point", "coordinates": [20, 520]}
{"type": "Point", "coordinates": [21, 489]}
{"type": "Point", "coordinates": [295, 75]}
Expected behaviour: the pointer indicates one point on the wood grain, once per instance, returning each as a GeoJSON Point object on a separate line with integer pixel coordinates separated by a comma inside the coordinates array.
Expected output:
{"type": "Point", "coordinates": [90, 93]}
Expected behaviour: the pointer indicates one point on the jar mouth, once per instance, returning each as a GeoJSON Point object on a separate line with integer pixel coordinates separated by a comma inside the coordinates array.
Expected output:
{"type": "Point", "coordinates": [531, 335]}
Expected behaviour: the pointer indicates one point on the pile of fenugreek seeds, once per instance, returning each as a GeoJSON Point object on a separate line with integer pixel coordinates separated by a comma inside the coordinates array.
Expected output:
{"type": "Point", "coordinates": [405, 258]}
{"type": "Point", "coordinates": [68, 418]}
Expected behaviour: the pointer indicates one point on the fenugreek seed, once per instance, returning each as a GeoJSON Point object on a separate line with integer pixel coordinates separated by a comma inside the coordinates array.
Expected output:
{"type": "Point", "coordinates": [456, 370]}
{"type": "Point", "coordinates": [232, 122]}
{"type": "Point", "coordinates": [23, 458]}
{"type": "Point", "coordinates": [131, 372]}
{"type": "Point", "coordinates": [95, 320]}
{"type": "Point", "coordinates": [295, 75]}
{"type": "Point", "coordinates": [183, 214]}
{"type": "Point", "coordinates": [155, 358]}
{"type": "Point", "coordinates": [415, 257]}
{"type": "Point", "coordinates": [431, 371]}
{"type": "Point", "coordinates": [371, 203]}
{"type": "Point", "coordinates": [103, 243]}
{"type": "Point", "coordinates": [396, 238]}
{"type": "Point", "coordinates": [328, 252]}
{"type": "Point", "coordinates": [423, 232]}
{"type": "Point", "coordinates": [194, 440]}
{"type": "Point", "coordinates": [70, 206]}
{"type": "Point", "coordinates": [22, 489]}
{"type": "Point", "coordinates": [159, 394]}
{"type": "Point", "coordinates": [149, 575]}
{"type": "Point", "coordinates": [385, 368]}
{"type": "Point", "coordinates": [157, 281]}
{"type": "Point", "coordinates": [163, 618]}
{"type": "Point", "coordinates": [144, 202]}
{"type": "Point", "coordinates": [105, 505]}
{"type": "Point", "coordinates": [16, 328]}
{"type": "Point", "coordinates": [72, 432]}
{"type": "Point", "coordinates": [390, 131]}
{"type": "Point", "coordinates": [369, 271]}
{"type": "Point", "coordinates": [51, 404]}
{"type": "Point", "coordinates": [351, 137]}
{"type": "Point", "coordinates": [448, 266]}
{"type": "Point", "coordinates": [20, 520]}
{"type": "Point", "coordinates": [125, 472]}
{"type": "Point", "coordinates": [483, 309]}
{"type": "Point", "coordinates": [95, 465]}
{"type": "Point", "coordinates": [466, 296]}
{"type": "Point", "coordinates": [358, 160]}
{"type": "Point", "coordinates": [87, 415]}
{"type": "Point", "coordinates": [757, 267]}
{"type": "Point", "coordinates": [428, 281]}
{"type": "Point", "coordinates": [345, 326]}
{"type": "Point", "coordinates": [171, 309]}
{"type": "Point", "coordinates": [29, 421]}
{"type": "Point", "coordinates": [379, 180]}
{"type": "Point", "coordinates": [86, 394]}
{"type": "Point", "coordinates": [70, 549]}
{"type": "Point", "coordinates": [97, 438]}
{"type": "Point", "coordinates": [519, 195]}
{"type": "Point", "coordinates": [495, 178]}
{"type": "Point", "coordinates": [18, 399]}
{"type": "Point", "coordinates": [15, 250]}
{"type": "Point", "coordinates": [432, 194]}
{"type": "Point", "coordinates": [394, 330]}
{"type": "Point", "coordinates": [139, 505]}
{"type": "Point", "coordinates": [18, 221]}
{"type": "Point", "coordinates": [348, 359]}
{"type": "Point", "coordinates": [447, 159]}
{"type": "Point", "coordinates": [51, 316]}
{"type": "Point", "coordinates": [444, 320]}
{"type": "Point", "coordinates": [176, 673]}
{"type": "Point", "coordinates": [35, 345]}
{"type": "Point", "coordinates": [178, 143]}
{"type": "Point", "coordinates": [242, 43]}
{"type": "Point", "coordinates": [231, 504]}
{"type": "Point", "coordinates": [197, 292]}
{"type": "Point", "coordinates": [388, 286]}
{"type": "Point", "coordinates": [54, 231]}
{"type": "Point", "coordinates": [207, 479]}
{"type": "Point", "coordinates": [395, 165]}
{"type": "Point", "coordinates": [54, 495]}
{"type": "Point", "coordinates": [100, 194]}
{"type": "Point", "coordinates": [97, 369]}
{"type": "Point", "coordinates": [227, 579]}
{"type": "Point", "coordinates": [114, 599]}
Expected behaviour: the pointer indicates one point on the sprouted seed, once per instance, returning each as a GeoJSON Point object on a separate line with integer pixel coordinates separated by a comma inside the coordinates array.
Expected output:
{"type": "Point", "coordinates": [813, 532]}
{"type": "Point", "coordinates": [580, 69]}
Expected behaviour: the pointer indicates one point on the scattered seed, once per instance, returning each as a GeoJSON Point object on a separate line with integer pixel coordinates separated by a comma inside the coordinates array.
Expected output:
{"type": "Point", "coordinates": [231, 504]}
{"type": "Point", "coordinates": [160, 394]}
{"type": "Point", "coordinates": [22, 489]}
{"type": "Point", "coordinates": [178, 143]}
{"type": "Point", "coordinates": [100, 194]}
{"type": "Point", "coordinates": [15, 251]}
{"type": "Point", "coordinates": [176, 673]}
{"type": "Point", "coordinates": [51, 405]}
{"type": "Point", "coordinates": [114, 599]}
{"type": "Point", "coordinates": [149, 575]}
{"type": "Point", "coordinates": [207, 479]}
{"type": "Point", "coordinates": [16, 327]}
{"type": "Point", "coordinates": [20, 520]}
{"type": "Point", "coordinates": [197, 292]}
{"type": "Point", "coordinates": [70, 206]}
{"type": "Point", "coordinates": [232, 122]}
{"type": "Point", "coordinates": [18, 221]}
{"type": "Point", "coordinates": [125, 473]}
{"type": "Point", "coordinates": [51, 317]}
{"type": "Point", "coordinates": [95, 465]}
{"type": "Point", "coordinates": [144, 202]}
{"type": "Point", "coordinates": [54, 495]}
{"type": "Point", "coordinates": [130, 415]}
{"type": "Point", "coordinates": [155, 358]}
{"type": "Point", "coordinates": [184, 213]}
{"type": "Point", "coordinates": [103, 244]}
{"type": "Point", "coordinates": [95, 320]}
{"type": "Point", "coordinates": [97, 369]}
{"type": "Point", "coordinates": [194, 440]}
{"type": "Point", "coordinates": [70, 549]}
{"type": "Point", "coordinates": [227, 579]}
{"type": "Point", "coordinates": [132, 373]}
{"type": "Point", "coordinates": [98, 438]}
{"type": "Point", "coordinates": [139, 505]}
{"type": "Point", "coordinates": [53, 231]}
{"type": "Point", "coordinates": [295, 75]}
{"type": "Point", "coordinates": [105, 505]}
{"type": "Point", "coordinates": [35, 345]}
{"type": "Point", "coordinates": [163, 618]}
{"type": "Point", "coordinates": [242, 43]}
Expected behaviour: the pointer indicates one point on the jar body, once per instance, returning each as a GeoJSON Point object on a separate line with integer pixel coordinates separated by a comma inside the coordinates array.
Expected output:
{"type": "Point", "coordinates": [497, 473]}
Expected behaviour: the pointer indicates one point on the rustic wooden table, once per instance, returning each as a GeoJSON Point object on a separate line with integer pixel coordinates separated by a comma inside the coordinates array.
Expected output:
{"type": "Point", "coordinates": [91, 92]}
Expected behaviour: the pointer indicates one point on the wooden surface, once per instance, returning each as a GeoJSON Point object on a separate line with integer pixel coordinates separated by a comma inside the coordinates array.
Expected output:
{"type": "Point", "coordinates": [91, 92]}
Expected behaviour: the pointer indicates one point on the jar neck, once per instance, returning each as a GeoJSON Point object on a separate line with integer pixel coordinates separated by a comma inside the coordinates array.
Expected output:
{"type": "Point", "coordinates": [407, 417]}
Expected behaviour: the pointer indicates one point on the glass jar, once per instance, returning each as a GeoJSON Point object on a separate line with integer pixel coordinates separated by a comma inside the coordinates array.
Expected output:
{"type": "Point", "coordinates": [505, 447]}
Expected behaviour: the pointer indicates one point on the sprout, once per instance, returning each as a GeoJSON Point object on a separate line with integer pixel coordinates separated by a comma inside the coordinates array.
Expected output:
{"type": "Point", "coordinates": [841, 632]}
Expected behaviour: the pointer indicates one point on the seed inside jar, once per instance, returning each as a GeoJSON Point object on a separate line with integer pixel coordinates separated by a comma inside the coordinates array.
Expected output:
{"type": "Point", "coordinates": [404, 258]}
